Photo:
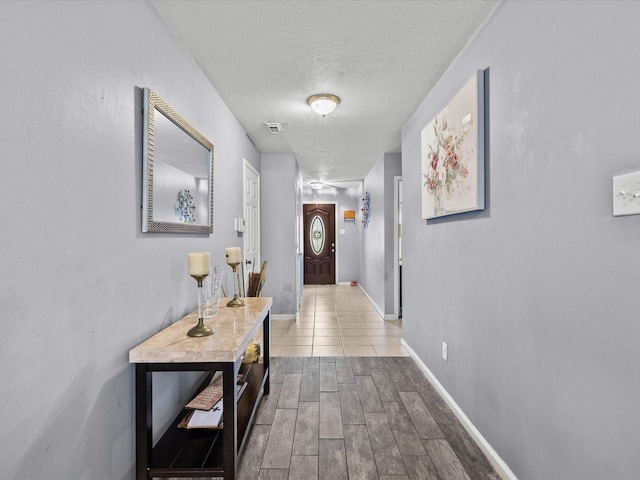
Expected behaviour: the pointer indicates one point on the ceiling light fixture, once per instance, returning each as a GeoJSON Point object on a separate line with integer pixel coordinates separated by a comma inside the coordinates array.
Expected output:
{"type": "Point", "coordinates": [316, 185]}
{"type": "Point", "coordinates": [323, 103]}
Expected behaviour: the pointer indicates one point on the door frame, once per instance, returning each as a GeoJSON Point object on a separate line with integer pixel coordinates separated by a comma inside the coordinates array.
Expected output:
{"type": "Point", "coordinates": [337, 215]}
{"type": "Point", "coordinates": [247, 166]}
{"type": "Point", "coordinates": [299, 245]}
{"type": "Point", "coordinates": [397, 182]}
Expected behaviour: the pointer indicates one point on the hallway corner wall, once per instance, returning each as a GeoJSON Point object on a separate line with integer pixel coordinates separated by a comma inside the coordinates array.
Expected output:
{"type": "Point", "coordinates": [279, 177]}
{"type": "Point", "coordinates": [376, 259]}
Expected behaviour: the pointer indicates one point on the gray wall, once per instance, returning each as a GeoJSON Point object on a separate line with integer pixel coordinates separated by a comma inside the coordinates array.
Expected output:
{"type": "Point", "coordinates": [376, 260]}
{"type": "Point", "coordinates": [392, 169]}
{"type": "Point", "coordinates": [371, 267]}
{"type": "Point", "coordinates": [537, 296]}
{"type": "Point", "coordinates": [81, 284]}
{"type": "Point", "coordinates": [348, 245]}
{"type": "Point", "coordinates": [278, 230]}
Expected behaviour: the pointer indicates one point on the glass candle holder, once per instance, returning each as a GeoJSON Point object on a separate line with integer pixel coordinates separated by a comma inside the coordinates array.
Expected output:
{"type": "Point", "coordinates": [200, 330]}
{"type": "Point", "coordinates": [199, 269]}
{"type": "Point", "coordinates": [236, 301]}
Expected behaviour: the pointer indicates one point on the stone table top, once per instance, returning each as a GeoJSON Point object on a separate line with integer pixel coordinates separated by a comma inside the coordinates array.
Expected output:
{"type": "Point", "coordinates": [234, 328]}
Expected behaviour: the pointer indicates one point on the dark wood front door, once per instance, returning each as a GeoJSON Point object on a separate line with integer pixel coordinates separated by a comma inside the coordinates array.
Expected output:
{"type": "Point", "coordinates": [319, 244]}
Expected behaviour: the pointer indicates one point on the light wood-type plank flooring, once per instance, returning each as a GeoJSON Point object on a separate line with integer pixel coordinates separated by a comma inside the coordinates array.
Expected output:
{"type": "Point", "coordinates": [347, 402]}
{"type": "Point", "coordinates": [357, 418]}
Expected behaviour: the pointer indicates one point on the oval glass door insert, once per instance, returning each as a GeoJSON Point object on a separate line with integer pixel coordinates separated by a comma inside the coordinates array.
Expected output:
{"type": "Point", "coordinates": [317, 235]}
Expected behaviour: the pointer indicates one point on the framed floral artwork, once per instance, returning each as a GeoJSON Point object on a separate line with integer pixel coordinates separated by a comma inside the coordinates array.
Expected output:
{"type": "Point", "coordinates": [452, 151]}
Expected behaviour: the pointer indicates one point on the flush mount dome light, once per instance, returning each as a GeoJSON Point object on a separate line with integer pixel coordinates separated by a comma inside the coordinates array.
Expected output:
{"type": "Point", "coordinates": [316, 185]}
{"type": "Point", "coordinates": [323, 103]}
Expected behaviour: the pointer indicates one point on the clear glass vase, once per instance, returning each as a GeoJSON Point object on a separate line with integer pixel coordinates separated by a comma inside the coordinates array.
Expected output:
{"type": "Point", "coordinates": [213, 293]}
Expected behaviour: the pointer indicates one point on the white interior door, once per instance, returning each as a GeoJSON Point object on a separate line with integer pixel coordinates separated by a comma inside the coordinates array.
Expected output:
{"type": "Point", "coordinates": [252, 221]}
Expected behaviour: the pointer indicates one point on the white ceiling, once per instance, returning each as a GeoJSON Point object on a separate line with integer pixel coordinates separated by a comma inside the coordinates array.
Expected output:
{"type": "Point", "coordinates": [381, 57]}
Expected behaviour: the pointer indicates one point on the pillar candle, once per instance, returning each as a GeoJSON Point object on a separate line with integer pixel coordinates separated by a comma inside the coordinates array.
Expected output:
{"type": "Point", "coordinates": [199, 263]}
{"type": "Point", "coordinates": [233, 255]}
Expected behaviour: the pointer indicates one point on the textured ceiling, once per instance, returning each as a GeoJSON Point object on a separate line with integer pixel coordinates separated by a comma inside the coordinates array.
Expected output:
{"type": "Point", "coordinates": [265, 58]}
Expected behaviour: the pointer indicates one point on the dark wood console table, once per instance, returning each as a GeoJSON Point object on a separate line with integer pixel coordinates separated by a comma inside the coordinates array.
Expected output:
{"type": "Point", "coordinates": [184, 452]}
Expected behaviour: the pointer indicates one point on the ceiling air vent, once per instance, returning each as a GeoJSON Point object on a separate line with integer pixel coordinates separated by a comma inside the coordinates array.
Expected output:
{"type": "Point", "coordinates": [274, 127]}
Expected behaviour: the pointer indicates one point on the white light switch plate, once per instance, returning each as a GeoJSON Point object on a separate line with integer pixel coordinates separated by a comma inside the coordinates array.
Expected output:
{"type": "Point", "coordinates": [626, 194]}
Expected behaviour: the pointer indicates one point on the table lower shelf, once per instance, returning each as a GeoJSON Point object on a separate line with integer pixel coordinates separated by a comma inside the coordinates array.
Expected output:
{"type": "Point", "coordinates": [182, 452]}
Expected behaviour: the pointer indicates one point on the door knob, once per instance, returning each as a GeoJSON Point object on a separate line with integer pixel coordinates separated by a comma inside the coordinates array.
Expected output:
{"type": "Point", "coordinates": [248, 262]}
{"type": "Point", "coordinates": [333, 249]}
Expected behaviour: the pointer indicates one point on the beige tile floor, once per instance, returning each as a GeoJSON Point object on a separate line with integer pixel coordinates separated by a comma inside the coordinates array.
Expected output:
{"type": "Point", "coordinates": [336, 320]}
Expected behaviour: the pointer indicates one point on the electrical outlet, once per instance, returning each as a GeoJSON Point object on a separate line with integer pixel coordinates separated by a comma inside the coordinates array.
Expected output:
{"type": "Point", "coordinates": [445, 352]}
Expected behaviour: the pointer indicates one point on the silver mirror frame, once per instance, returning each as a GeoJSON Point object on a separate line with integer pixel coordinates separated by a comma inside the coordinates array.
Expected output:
{"type": "Point", "coordinates": [154, 104]}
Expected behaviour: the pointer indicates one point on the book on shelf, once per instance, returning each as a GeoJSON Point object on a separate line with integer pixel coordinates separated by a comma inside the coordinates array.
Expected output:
{"type": "Point", "coordinates": [206, 408]}
{"type": "Point", "coordinates": [211, 394]}
{"type": "Point", "coordinates": [203, 418]}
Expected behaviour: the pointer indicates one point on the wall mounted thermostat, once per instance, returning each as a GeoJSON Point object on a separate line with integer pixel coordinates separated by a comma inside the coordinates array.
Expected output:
{"type": "Point", "coordinates": [239, 225]}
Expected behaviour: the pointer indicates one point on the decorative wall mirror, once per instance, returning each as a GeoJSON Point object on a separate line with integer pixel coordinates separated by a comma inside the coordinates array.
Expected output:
{"type": "Point", "coordinates": [177, 191]}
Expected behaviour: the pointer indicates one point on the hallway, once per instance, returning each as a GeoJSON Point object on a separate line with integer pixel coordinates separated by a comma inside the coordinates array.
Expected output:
{"type": "Point", "coordinates": [348, 403]}
{"type": "Point", "coordinates": [336, 320]}
{"type": "Point", "coordinates": [340, 418]}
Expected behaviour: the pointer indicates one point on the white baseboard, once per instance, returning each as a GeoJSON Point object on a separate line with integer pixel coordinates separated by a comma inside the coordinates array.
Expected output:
{"type": "Point", "coordinates": [500, 466]}
{"type": "Point", "coordinates": [384, 316]}
{"type": "Point", "coordinates": [380, 312]}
